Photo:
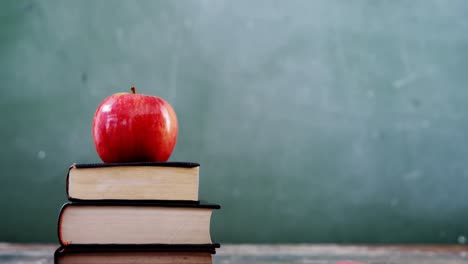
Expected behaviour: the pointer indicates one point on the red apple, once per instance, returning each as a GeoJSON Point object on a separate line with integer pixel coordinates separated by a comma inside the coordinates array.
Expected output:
{"type": "Point", "coordinates": [130, 127]}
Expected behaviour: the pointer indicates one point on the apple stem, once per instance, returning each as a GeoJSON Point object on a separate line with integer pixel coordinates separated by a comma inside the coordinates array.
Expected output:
{"type": "Point", "coordinates": [133, 89]}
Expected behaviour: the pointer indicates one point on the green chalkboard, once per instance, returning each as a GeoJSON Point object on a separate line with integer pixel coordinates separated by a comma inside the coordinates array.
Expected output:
{"type": "Point", "coordinates": [313, 121]}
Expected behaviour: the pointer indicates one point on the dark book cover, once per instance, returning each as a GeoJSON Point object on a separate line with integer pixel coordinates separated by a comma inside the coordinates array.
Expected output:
{"type": "Point", "coordinates": [175, 164]}
{"type": "Point", "coordinates": [74, 249]}
{"type": "Point", "coordinates": [90, 249]}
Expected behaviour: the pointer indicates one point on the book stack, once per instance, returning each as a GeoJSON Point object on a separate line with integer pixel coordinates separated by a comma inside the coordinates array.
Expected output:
{"type": "Point", "coordinates": [135, 213]}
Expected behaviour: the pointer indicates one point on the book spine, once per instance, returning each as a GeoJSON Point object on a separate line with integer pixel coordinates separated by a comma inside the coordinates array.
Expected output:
{"type": "Point", "coordinates": [57, 253]}
{"type": "Point", "coordinates": [67, 182]}
{"type": "Point", "coordinates": [59, 226]}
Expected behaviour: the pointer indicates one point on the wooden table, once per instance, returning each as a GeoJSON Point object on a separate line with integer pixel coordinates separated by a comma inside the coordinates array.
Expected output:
{"type": "Point", "coordinates": [300, 254]}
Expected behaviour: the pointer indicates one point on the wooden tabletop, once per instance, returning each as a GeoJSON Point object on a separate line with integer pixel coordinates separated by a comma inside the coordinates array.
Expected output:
{"type": "Point", "coordinates": [276, 254]}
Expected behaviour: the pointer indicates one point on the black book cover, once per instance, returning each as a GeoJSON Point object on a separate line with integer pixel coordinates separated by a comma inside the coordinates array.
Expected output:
{"type": "Point", "coordinates": [73, 249]}
{"type": "Point", "coordinates": [84, 249]}
{"type": "Point", "coordinates": [174, 164]}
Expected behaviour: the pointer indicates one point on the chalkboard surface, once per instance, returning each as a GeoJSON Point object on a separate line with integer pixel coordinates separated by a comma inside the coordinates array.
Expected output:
{"type": "Point", "coordinates": [313, 121]}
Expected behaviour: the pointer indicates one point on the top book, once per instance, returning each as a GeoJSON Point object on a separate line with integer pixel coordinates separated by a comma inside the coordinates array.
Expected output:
{"type": "Point", "coordinates": [143, 181]}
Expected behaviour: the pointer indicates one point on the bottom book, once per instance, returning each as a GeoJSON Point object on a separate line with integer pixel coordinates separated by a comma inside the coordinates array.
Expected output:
{"type": "Point", "coordinates": [140, 255]}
